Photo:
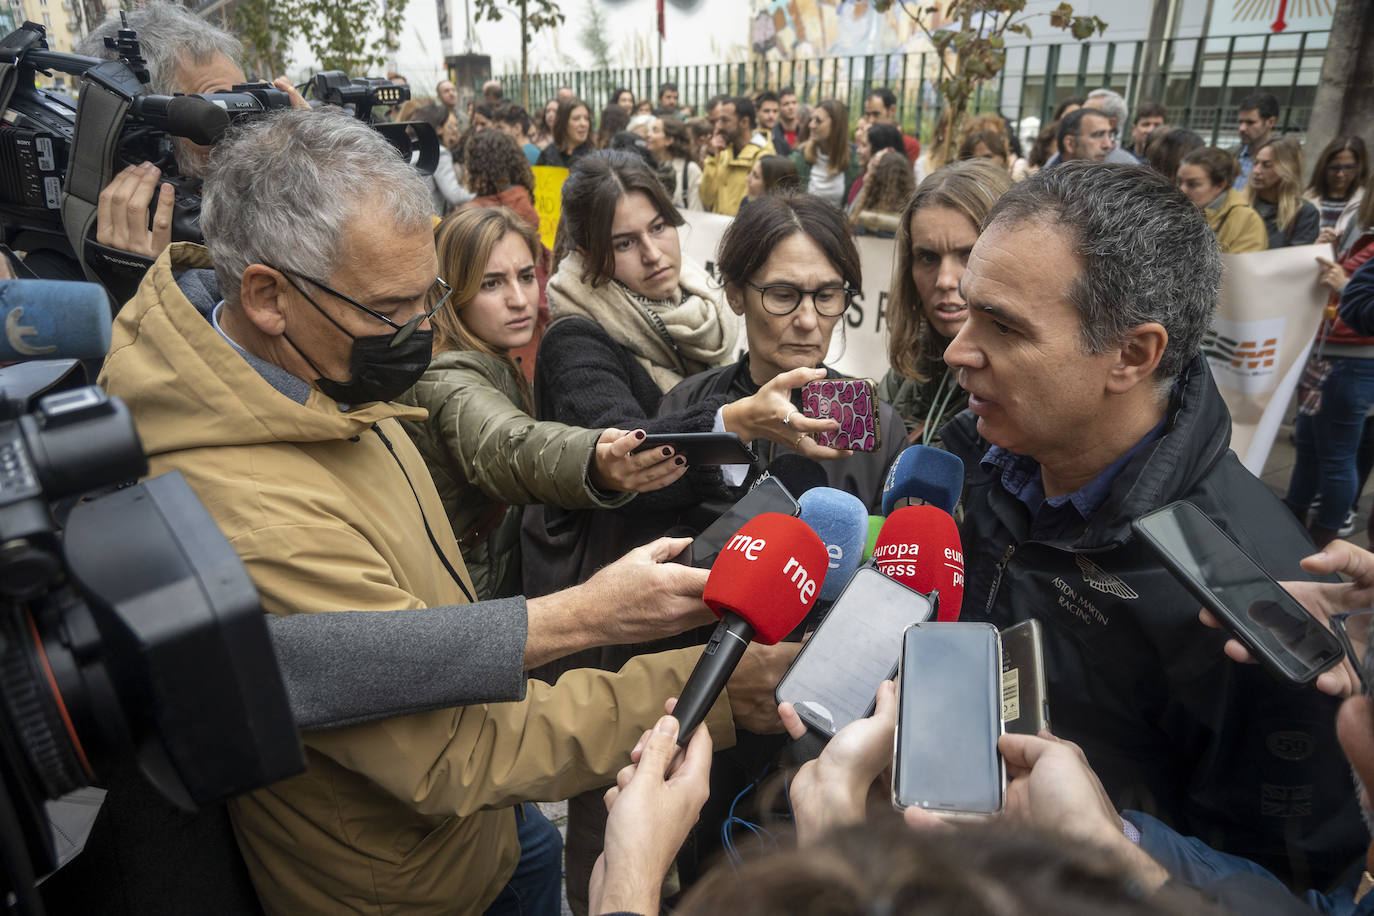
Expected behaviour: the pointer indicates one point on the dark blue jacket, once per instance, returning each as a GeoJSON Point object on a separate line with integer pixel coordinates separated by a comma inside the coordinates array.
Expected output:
{"type": "Point", "coordinates": [1218, 750]}
{"type": "Point", "coordinates": [1357, 299]}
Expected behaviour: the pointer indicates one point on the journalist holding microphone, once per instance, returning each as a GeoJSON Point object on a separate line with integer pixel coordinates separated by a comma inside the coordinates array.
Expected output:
{"type": "Point", "coordinates": [279, 413]}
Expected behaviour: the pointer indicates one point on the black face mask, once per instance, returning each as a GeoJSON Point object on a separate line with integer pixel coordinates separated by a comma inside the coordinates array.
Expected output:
{"type": "Point", "coordinates": [378, 371]}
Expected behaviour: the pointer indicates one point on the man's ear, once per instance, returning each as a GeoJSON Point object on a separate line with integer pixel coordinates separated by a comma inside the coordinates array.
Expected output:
{"type": "Point", "coordinates": [1138, 357]}
{"type": "Point", "coordinates": [734, 296]}
{"type": "Point", "coordinates": [261, 294]}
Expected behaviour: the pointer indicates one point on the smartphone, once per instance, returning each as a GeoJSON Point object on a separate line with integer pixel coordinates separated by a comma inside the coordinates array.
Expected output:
{"type": "Point", "coordinates": [834, 679]}
{"type": "Point", "coordinates": [1025, 701]}
{"type": "Point", "coordinates": [949, 717]}
{"type": "Point", "coordinates": [702, 448]}
{"type": "Point", "coordinates": [851, 401]}
{"type": "Point", "coordinates": [1278, 631]}
{"type": "Point", "coordinates": [768, 495]}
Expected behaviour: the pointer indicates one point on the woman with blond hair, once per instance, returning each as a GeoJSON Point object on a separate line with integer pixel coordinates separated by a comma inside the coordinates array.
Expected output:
{"type": "Point", "coordinates": [925, 310]}
{"type": "Point", "coordinates": [826, 166]}
{"type": "Point", "coordinates": [1275, 190]}
{"type": "Point", "coordinates": [487, 455]}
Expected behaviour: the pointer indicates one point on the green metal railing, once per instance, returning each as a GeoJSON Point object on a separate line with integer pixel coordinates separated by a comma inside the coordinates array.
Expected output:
{"type": "Point", "coordinates": [1199, 80]}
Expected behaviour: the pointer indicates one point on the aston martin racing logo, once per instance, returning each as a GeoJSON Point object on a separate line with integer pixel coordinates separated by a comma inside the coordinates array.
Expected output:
{"type": "Point", "coordinates": [1103, 581]}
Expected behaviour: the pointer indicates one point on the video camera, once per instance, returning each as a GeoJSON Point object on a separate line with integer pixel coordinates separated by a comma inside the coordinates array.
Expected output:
{"type": "Point", "coordinates": [129, 629]}
{"type": "Point", "coordinates": [58, 153]}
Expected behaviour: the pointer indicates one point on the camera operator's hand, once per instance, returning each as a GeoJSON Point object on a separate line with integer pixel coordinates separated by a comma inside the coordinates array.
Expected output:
{"type": "Point", "coordinates": [753, 682]}
{"type": "Point", "coordinates": [833, 790]}
{"type": "Point", "coordinates": [638, 598]}
{"type": "Point", "coordinates": [653, 806]}
{"type": "Point", "coordinates": [285, 85]}
{"type": "Point", "coordinates": [122, 212]}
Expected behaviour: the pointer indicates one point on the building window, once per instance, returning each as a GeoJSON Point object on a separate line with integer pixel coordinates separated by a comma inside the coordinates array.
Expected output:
{"type": "Point", "coordinates": [47, 21]}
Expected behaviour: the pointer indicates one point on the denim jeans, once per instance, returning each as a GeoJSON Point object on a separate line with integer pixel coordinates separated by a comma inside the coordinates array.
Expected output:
{"type": "Point", "coordinates": [536, 887]}
{"type": "Point", "coordinates": [1328, 442]}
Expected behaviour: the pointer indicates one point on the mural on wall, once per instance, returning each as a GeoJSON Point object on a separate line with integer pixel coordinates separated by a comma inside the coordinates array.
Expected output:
{"type": "Point", "coordinates": [794, 29]}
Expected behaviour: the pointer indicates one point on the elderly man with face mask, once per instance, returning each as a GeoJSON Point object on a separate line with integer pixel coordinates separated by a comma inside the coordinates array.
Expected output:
{"type": "Point", "coordinates": [279, 412]}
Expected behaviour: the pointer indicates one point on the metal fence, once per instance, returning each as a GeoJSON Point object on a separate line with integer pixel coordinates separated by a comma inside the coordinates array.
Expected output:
{"type": "Point", "coordinates": [1199, 80]}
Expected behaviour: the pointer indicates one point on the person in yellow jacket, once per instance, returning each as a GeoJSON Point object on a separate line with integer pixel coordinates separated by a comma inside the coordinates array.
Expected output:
{"type": "Point", "coordinates": [330, 507]}
{"type": "Point", "coordinates": [1205, 176]}
{"type": "Point", "coordinates": [735, 145]}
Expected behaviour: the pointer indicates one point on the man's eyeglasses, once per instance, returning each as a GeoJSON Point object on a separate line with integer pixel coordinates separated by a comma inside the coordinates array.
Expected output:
{"type": "Point", "coordinates": [783, 298]}
{"type": "Point", "coordinates": [438, 294]}
{"type": "Point", "coordinates": [1353, 631]}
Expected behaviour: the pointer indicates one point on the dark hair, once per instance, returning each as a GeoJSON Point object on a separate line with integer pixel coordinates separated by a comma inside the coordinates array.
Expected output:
{"type": "Point", "coordinates": [485, 110]}
{"type": "Point", "coordinates": [1150, 110]}
{"type": "Point", "coordinates": [614, 119]}
{"type": "Point", "coordinates": [889, 187]}
{"type": "Point", "coordinates": [1165, 152]}
{"type": "Point", "coordinates": [435, 115]}
{"type": "Point", "coordinates": [716, 100]}
{"type": "Point", "coordinates": [786, 90]}
{"type": "Point", "coordinates": [779, 173]}
{"type": "Point", "coordinates": [494, 162]}
{"type": "Point", "coordinates": [511, 113]}
{"type": "Point", "coordinates": [631, 142]}
{"type": "Point", "coordinates": [1059, 109]}
{"type": "Point", "coordinates": [1352, 144]}
{"type": "Point", "coordinates": [885, 867]}
{"type": "Point", "coordinates": [994, 140]}
{"type": "Point", "coordinates": [745, 109]}
{"type": "Point", "coordinates": [560, 121]}
{"type": "Point", "coordinates": [1266, 103]}
{"type": "Point", "coordinates": [617, 93]}
{"type": "Point", "coordinates": [837, 144]}
{"type": "Point", "coordinates": [593, 189]}
{"type": "Point", "coordinates": [1071, 125]}
{"type": "Point", "coordinates": [752, 235]}
{"type": "Point", "coordinates": [884, 95]}
{"type": "Point", "coordinates": [1146, 252]}
{"type": "Point", "coordinates": [666, 87]}
{"type": "Point", "coordinates": [679, 139]}
{"type": "Point", "coordinates": [766, 95]}
{"type": "Point", "coordinates": [886, 136]}
{"type": "Point", "coordinates": [1219, 165]}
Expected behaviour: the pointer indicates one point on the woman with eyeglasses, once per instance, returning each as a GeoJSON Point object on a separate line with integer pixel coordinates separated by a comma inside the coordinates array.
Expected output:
{"type": "Point", "coordinates": [487, 455]}
{"type": "Point", "coordinates": [1337, 185]}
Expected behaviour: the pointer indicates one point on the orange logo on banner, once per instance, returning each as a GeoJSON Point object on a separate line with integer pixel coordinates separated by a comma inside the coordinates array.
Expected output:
{"type": "Point", "coordinates": [1250, 355]}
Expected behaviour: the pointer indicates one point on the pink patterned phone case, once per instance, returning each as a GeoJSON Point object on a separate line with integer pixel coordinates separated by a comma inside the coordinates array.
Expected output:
{"type": "Point", "coordinates": [852, 401]}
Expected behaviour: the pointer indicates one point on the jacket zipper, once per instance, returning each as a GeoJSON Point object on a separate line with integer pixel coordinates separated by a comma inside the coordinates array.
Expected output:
{"type": "Point", "coordinates": [997, 579]}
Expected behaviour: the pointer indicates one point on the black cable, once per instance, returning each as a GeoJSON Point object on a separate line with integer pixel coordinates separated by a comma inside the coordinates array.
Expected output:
{"type": "Point", "coordinates": [14, 853]}
{"type": "Point", "coordinates": [432, 540]}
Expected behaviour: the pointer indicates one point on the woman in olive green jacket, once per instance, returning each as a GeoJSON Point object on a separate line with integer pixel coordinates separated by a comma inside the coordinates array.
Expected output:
{"type": "Point", "coordinates": [488, 456]}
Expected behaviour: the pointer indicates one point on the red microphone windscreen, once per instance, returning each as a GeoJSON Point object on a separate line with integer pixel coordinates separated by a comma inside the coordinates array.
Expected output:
{"type": "Point", "coordinates": [919, 546]}
{"type": "Point", "coordinates": [769, 574]}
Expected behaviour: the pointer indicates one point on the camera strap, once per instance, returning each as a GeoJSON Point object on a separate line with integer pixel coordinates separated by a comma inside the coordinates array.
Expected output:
{"type": "Point", "coordinates": [99, 120]}
{"type": "Point", "coordinates": [12, 48]}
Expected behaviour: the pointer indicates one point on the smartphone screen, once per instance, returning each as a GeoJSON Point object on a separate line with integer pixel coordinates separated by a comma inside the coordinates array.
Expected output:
{"type": "Point", "coordinates": [834, 679]}
{"type": "Point", "coordinates": [1278, 630]}
{"type": "Point", "coordinates": [768, 495]}
{"type": "Point", "coordinates": [949, 719]}
{"type": "Point", "coordinates": [1025, 706]}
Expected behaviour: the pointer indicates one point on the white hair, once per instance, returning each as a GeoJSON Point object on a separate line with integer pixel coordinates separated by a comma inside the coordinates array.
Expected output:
{"type": "Point", "coordinates": [169, 35]}
{"type": "Point", "coordinates": [282, 191]}
{"type": "Point", "coordinates": [1109, 103]}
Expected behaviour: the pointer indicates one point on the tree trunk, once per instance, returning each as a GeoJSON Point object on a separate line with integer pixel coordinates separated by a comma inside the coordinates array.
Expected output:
{"type": "Point", "coordinates": [1341, 106]}
{"type": "Point", "coordinates": [524, 55]}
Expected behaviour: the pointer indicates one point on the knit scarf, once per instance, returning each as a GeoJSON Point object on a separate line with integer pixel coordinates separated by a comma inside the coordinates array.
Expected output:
{"type": "Point", "coordinates": [700, 332]}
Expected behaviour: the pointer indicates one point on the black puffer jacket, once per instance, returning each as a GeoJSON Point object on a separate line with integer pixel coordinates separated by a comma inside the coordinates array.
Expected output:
{"type": "Point", "coordinates": [1221, 751]}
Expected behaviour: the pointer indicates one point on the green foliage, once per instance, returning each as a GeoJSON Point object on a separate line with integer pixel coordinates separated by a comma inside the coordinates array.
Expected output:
{"type": "Point", "coordinates": [975, 37]}
{"type": "Point", "coordinates": [337, 32]}
{"type": "Point", "coordinates": [534, 15]}
{"type": "Point", "coordinates": [267, 30]}
{"type": "Point", "coordinates": [593, 36]}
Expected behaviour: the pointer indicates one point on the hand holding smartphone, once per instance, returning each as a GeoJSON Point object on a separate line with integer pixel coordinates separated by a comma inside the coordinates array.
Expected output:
{"type": "Point", "coordinates": [853, 402]}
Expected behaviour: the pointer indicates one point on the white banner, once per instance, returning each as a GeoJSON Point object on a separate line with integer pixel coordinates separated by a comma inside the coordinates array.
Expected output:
{"type": "Point", "coordinates": [1269, 309]}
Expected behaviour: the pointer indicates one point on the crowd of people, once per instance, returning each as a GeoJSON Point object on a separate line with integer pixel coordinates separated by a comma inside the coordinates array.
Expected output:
{"type": "Point", "coordinates": [392, 397]}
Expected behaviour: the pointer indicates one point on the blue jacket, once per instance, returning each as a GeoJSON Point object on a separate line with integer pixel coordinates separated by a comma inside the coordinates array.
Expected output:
{"type": "Point", "coordinates": [1357, 299]}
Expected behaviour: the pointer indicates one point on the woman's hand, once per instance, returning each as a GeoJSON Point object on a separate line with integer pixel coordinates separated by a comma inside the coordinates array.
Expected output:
{"type": "Point", "coordinates": [1332, 275]}
{"type": "Point", "coordinates": [615, 468]}
{"type": "Point", "coordinates": [769, 414]}
{"type": "Point", "coordinates": [1327, 236]}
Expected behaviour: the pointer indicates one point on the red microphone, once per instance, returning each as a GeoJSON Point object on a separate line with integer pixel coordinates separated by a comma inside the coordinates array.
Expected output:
{"type": "Point", "coordinates": [762, 584]}
{"type": "Point", "coordinates": [919, 546]}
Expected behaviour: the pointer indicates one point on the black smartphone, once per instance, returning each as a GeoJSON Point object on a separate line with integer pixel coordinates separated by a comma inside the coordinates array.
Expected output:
{"type": "Point", "coordinates": [949, 718]}
{"type": "Point", "coordinates": [702, 448]}
{"type": "Point", "coordinates": [1278, 631]}
{"type": "Point", "coordinates": [1025, 704]}
{"type": "Point", "coordinates": [768, 495]}
{"type": "Point", "coordinates": [834, 679]}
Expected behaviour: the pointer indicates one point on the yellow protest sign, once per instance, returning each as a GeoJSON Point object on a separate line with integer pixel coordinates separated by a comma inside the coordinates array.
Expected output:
{"type": "Point", "coordinates": [548, 200]}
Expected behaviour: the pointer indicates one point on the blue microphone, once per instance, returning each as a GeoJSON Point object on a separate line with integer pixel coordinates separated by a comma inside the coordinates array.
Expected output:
{"type": "Point", "coordinates": [920, 472]}
{"type": "Point", "coordinates": [53, 319]}
{"type": "Point", "coordinates": [841, 521]}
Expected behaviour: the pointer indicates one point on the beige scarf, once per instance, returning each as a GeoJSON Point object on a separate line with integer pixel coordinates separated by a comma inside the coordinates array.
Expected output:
{"type": "Point", "coordinates": [700, 330]}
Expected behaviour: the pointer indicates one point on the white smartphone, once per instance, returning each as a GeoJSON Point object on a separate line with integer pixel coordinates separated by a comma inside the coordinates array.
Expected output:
{"type": "Point", "coordinates": [834, 679]}
{"type": "Point", "coordinates": [949, 718]}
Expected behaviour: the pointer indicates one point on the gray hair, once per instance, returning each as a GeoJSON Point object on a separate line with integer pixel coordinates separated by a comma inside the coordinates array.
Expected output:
{"type": "Point", "coordinates": [169, 35]}
{"type": "Point", "coordinates": [283, 190]}
{"type": "Point", "coordinates": [1109, 103]}
{"type": "Point", "coordinates": [1146, 252]}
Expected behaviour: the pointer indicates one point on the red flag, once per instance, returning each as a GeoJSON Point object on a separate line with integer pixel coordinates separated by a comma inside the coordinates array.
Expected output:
{"type": "Point", "coordinates": [662, 29]}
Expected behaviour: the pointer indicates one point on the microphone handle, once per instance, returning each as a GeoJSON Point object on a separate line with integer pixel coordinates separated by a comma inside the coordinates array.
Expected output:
{"type": "Point", "coordinates": [722, 653]}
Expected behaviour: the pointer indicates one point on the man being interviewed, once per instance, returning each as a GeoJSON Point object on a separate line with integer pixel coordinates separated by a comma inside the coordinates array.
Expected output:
{"type": "Point", "coordinates": [307, 216]}
{"type": "Point", "coordinates": [735, 146]}
{"type": "Point", "coordinates": [1091, 404]}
